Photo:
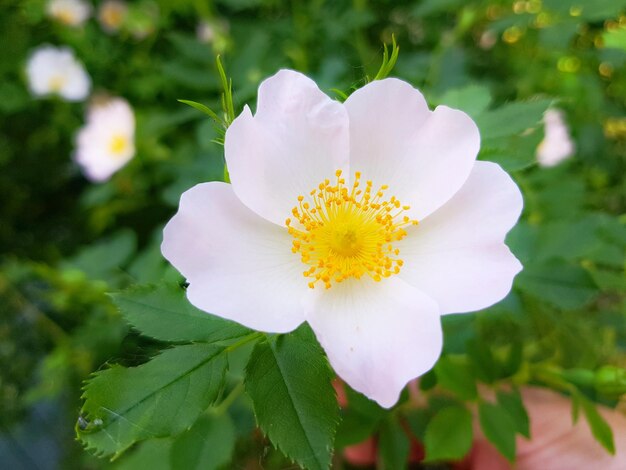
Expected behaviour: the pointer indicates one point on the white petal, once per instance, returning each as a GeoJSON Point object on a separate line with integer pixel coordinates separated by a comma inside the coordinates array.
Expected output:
{"type": "Point", "coordinates": [78, 84]}
{"type": "Point", "coordinates": [105, 121]}
{"type": "Point", "coordinates": [457, 255]}
{"type": "Point", "coordinates": [423, 156]}
{"type": "Point", "coordinates": [378, 336]}
{"type": "Point", "coordinates": [298, 137]}
{"type": "Point", "coordinates": [557, 144]}
{"type": "Point", "coordinates": [238, 265]}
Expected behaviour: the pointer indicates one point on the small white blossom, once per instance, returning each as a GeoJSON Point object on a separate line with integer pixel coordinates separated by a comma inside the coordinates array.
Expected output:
{"type": "Point", "coordinates": [312, 228]}
{"type": "Point", "coordinates": [55, 70]}
{"type": "Point", "coordinates": [69, 12]}
{"type": "Point", "coordinates": [111, 15]}
{"type": "Point", "coordinates": [557, 145]}
{"type": "Point", "coordinates": [213, 32]}
{"type": "Point", "coordinates": [107, 141]}
{"type": "Point", "coordinates": [205, 32]}
{"type": "Point", "coordinates": [487, 40]}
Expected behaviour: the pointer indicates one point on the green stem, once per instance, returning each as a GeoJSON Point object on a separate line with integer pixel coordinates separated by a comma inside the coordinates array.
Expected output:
{"type": "Point", "coordinates": [245, 340]}
{"type": "Point", "coordinates": [229, 400]}
{"type": "Point", "coordinates": [58, 334]}
{"type": "Point", "coordinates": [552, 377]}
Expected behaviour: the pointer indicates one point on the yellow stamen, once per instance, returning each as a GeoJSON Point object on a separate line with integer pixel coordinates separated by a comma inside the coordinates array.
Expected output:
{"type": "Point", "coordinates": [112, 15]}
{"type": "Point", "coordinates": [66, 16]}
{"type": "Point", "coordinates": [343, 232]}
{"type": "Point", "coordinates": [56, 83]}
{"type": "Point", "coordinates": [118, 144]}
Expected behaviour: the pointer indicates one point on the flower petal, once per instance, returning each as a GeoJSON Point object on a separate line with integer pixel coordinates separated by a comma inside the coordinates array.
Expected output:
{"type": "Point", "coordinates": [378, 336]}
{"type": "Point", "coordinates": [424, 156]}
{"type": "Point", "coordinates": [457, 255]}
{"type": "Point", "coordinates": [298, 137]}
{"type": "Point", "coordinates": [78, 84]}
{"type": "Point", "coordinates": [238, 265]}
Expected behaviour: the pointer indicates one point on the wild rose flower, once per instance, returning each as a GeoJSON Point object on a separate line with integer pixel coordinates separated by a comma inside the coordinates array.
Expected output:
{"type": "Point", "coordinates": [205, 32]}
{"type": "Point", "coordinates": [367, 219]}
{"type": "Point", "coordinates": [69, 12]}
{"type": "Point", "coordinates": [211, 31]}
{"type": "Point", "coordinates": [55, 70]}
{"type": "Point", "coordinates": [107, 141]}
{"type": "Point", "coordinates": [111, 15]}
{"type": "Point", "coordinates": [557, 145]}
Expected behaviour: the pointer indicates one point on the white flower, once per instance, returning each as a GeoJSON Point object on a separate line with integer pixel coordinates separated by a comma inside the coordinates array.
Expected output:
{"type": "Point", "coordinates": [70, 12]}
{"type": "Point", "coordinates": [107, 141]}
{"type": "Point", "coordinates": [111, 14]}
{"type": "Point", "coordinates": [209, 31]}
{"type": "Point", "coordinates": [52, 70]}
{"type": "Point", "coordinates": [557, 145]}
{"type": "Point", "coordinates": [205, 32]}
{"type": "Point", "coordinates": [312, 228]}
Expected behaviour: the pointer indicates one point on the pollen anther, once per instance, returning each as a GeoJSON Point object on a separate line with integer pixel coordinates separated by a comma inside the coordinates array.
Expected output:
{"type": "Point", "coordinates": [341, 232]}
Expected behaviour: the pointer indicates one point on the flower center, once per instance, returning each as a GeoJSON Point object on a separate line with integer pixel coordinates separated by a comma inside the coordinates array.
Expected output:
{"type": "Point", "coordinates": [66, 16]}
{"type": "Point", "coordinates": [112, 15]}
{"type": "Point", "coordinates": [118, 144]}
{"type": "Point", "coordinates": [347, 232]}
{"type": "Point", "coordinates": [56, 83]}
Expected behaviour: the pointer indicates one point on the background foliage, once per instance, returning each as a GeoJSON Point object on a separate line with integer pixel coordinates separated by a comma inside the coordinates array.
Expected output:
{"type": "Point", "coordinates": [65, 243]}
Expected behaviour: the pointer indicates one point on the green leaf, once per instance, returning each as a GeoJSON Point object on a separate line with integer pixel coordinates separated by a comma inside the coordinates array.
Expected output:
{"type": "Point", "coordinates": [359, 402]}
{"type": "Point", "coordinates": [157, 399]}
{"type": "Point", "coordinates": [455, 374]}
{"type": "Point", "coordinates": [164, 313]}
{"type": "Point", "coordinates": [498, 427]}
{"type": "Point", "coordinates": [599, 427]}
{"type": "Point", "coordinates": [608, 280]}
{"type": "Point", "coordinates": [430, 7]}
{"type": "Point", "coordinates": [393, 445]}
{"type": "Point", "coordinates": [227, 95]}
{"type": "Point", "coordinates": [484, 364]}
{"type": "Point", "coordinates": [512, 118]}
{"type": "Point", "coordinates": [289, 382]}
{"type": "Point", "coordinates": [157, 123]}
{"type": "Point", "coordinates": [449, 434]}
{"type": "Point", "coordinates": [418, 420]}
{"type": "Point", "coordinates": [563, 285]}
{"type": "Point", "coordinates": [359, 418]}
{"type": "Point", "coordinates": [556, 240]}
{"type": "Point", "coordinates": [203, 108]}
{"type": "Point", "coordinates": [153, 454]}
{"type": "Point", "coordinates": [457, 330]}
{"type": "Point", "coordinates": [473, 99]}
{"type": "Point", "coordinates": [389, 60]}
{"type": "Point", "coordinates": [102, 259]}
{"type": "Point", "coordinates": [354, 427]}
{"type": "Point", "coordinates": [513, 404]}
{"type": "Point", "coordinates": [610, 380]}
{"type": "Point", "coordinates": [589, 10]}
{"type": "Point", "coordinates": [208, 445]}
{"type": "Point", "coordinates": [514, 152]}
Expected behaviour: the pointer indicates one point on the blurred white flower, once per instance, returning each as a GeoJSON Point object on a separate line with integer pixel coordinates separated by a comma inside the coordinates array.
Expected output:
{"type": "Point", "coordinates": [487, 40]}
{"type": "Point", "coordinates": [107, 141]}
{"type": "Point", "coordinates": [557, 145]}
{"type": "Point", "coordinates": [210, 31]}
{"type": "Point", "coordinates": [111, 15]}
{"type": "Point", "coordinates": [205, 32]}
{"type": "Point", "coordinates": [69, 12]}
{"type": "Point", "coordinates": [55, 70]}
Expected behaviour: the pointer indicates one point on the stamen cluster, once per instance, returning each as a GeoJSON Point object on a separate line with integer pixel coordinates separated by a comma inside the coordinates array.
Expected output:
{"type": "Point", "coordinates": [343, 232]}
